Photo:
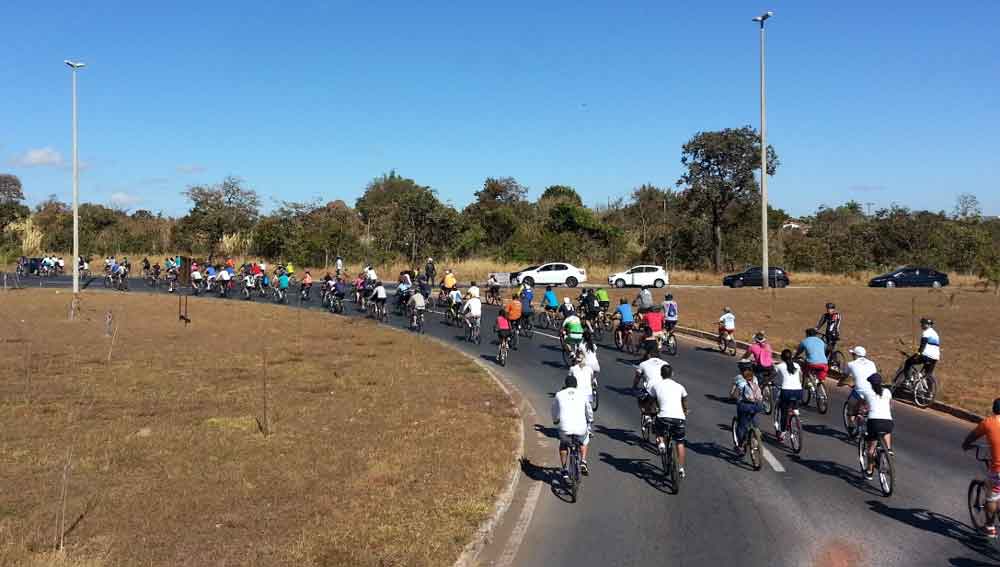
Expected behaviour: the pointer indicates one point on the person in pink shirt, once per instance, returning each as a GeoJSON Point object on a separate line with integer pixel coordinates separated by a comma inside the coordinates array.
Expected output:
{"type": "Point", "coordinates": [760, 353]}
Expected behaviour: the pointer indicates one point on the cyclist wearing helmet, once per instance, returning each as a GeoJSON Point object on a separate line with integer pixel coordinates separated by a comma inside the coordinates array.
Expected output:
{"type": "Point", "coordinates": [990, 428]}
{"type": "Point", "coordinates": [727, 322]}
{"type": "Point", "coordinates": [670, 313]}
{"type": "Point", "coordinates": [747, 392]}
{"type": "Point", "coordinates": [831, 320]}
{"type": "Point", "coordinates": [760, 354]}
{"type": "Point", "coordinates": [929, 352]}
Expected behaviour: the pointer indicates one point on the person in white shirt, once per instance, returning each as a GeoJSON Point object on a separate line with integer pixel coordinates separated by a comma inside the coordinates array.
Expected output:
{"type": "Point", "coordinates": [671, 420]}
{"type": "Point", "coordinates": [473, 290]}
{"type": "Point", "coordinates": [370, 274]}
{"type": "Point", "coordinates": [473, 310]}
{"type": "Point", "coordinates": [929, 352]}
{"type": "Point", "coordinates": [339, 265]}
{"type": "Point", "coordinates": [859, 370]}
{"type": "Point", "coordinates": [647, 374]}
{"type": "Point", "coordinates": [572, 414]}
{"type": "Point", "coordinates": [590, 352]}
{"type": "Point", "coordinates": [789, 374]}
{"type": "Point", "coordinates": [727, 322]}
{"type": "Point", "coordinates": [879, 400]}
{"type": "Point", "coordinates": [584, 375]}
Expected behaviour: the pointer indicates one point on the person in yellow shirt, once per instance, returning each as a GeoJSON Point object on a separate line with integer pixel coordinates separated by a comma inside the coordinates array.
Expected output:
{"type": "Point", "coordinates": [449, 283]}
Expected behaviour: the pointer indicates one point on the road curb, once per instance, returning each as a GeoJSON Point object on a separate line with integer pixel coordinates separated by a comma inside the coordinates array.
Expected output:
{"type": "Point", "coordinates": [951, 410]}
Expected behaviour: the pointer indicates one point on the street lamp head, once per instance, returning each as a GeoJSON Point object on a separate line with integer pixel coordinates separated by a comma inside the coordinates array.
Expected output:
{"type": "Point", "coordinates": [763, 17]}
{"type": "Point", "coordinates": [74, 64]}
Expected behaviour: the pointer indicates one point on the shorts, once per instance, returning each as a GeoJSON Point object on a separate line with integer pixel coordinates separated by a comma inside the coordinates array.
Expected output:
{"type": "Point", "coordinates": [573, 341]}
{"type": "Point", "coordinates": [472, 319]}
{"type": "Point", "coordinates": [821, 370]}
{"type": "Point", "coordinates": [626, 325]}
{"type": "Point", "coordinates": [380, 301]}
{"type": "Point", "coordinates": [676, 429]}
{"type": "Point", "coordinates": [503, 334]}
{"type": "Point", "coordinates": [551, 308]}
{"type": "Point", "coordinates": [564, 439]}
{"type": "Point", "coordinates": [878, 427]}
{"type": "Point", "coordinates": [604, 305]}
{"type": "Point", "coordinates": [669, 326]}
{"type": "Point", "coordinates": [993, 486]}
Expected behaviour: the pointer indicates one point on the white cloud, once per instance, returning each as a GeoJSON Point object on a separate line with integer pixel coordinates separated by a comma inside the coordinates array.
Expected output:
{"type": "Point", "coordinates": [38, 157]}
{"type": "Point", "coordinates": [123, 200]}
{"type": "Point", "coordinates": [191, 168]}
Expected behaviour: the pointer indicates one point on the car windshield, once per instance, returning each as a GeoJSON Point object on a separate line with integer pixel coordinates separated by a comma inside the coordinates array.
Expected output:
{"type": "Point", "coordinates": [529, 268]}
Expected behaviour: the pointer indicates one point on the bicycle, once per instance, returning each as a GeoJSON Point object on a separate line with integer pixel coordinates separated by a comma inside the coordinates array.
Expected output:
{"type": "Point", "coordinates": [727, 344]}
{"type": "Point", "coordinates": [669, 344]}
{"type": "Point", "coordinates": [573, 477]}
{"type": "Point", "coordinates": [792, 427]}
{"type": "Point", "coordinates": [978, 491]}
{"type": "Point", "coordinates": [623, 338]}
{"type": "Point", "coordinates": [594, 388]}
{"type": "Point", "coordinates": [770, 390]}
{"type": "Point", "coordinates": [493, 296]}
{"type": "Point", "coordinates": [473, 332]}
{"type": "Point", "coordinates": [546, 320]}
{"type": "Point", "coordinates": [751, 443]}
{"type": "Point", "coordinates": [883, 460]}
{"type": "Point", "coordinates": [851, 423]}
{"type": "Point", "coordinates": [813, 387]}
{"type": "Point", "coordinates": [247, 290]}
{"type": "Point", "coordinates": [381, 313]}
{"type": "Point", "coordinates": [921, 385]}
{"type": "Point", "coordinates": [835, 358]}
{"type": "Point", "coordinates": [279, 295]}
{"type": "Point", "coordinates": [417, 320]}
{"type": "Point", "coordinates": [337, 304]}
{"type": "Point", "coordinates": [503, 350]}
{"type": "Point", "coordinates": [670, 460]}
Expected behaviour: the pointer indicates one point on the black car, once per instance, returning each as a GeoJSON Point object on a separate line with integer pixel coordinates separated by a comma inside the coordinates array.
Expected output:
{"type": "Point", "coordinates": [909, 276]}
{"type": "Point", "coordinates": [777, 277]}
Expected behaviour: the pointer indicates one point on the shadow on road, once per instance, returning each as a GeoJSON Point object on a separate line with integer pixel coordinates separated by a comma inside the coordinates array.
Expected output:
{"type": "Point", "coordinates": [490, 357]}
{"type": "Point", "coordinates": [722, 400]}
{"type": "Point", "coordinates": [548, 475]}
{"type": "Point", "coordinates": [827, 432]}
{"type": "Point", "coordinates": [849, 475]}
{"type": "Point", "coordinates": [642, 469]}
{"type": "Point", "coordinates": [626, 436]}
{"type": "Point", "coordinates": [550, 432]}
{"type": "Point", "coordinates": [555, 364]}
{"type": "Point", "coordinates": [940, 524]}
{"type": "Point", "coordinates": [627, 392]}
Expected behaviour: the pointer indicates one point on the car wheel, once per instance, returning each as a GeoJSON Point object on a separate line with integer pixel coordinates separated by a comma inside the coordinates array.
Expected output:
{"type": "Point", "coordinates": [782, 283]}
{"type": "Point", "coordinates": [936, 285]}
{"type": "Point", "coordinates": [738, 283]}
{"type": "Point", "coordinates": [571, 282]}
{"type": "Point", "coordinates": [619, 283]}
{"type": "Point", "coordinates": [890, 284]}
{"type": "Point", "coordinates": [658, 284]}
{"type": "Point", "coordinates": [529, 281]}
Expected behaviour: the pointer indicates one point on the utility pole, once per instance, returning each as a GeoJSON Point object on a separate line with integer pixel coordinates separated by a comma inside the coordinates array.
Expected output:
{"type": "Point", "coordinates": [765, 274]}
{"type": "Point", "coordinates": [75, 66]}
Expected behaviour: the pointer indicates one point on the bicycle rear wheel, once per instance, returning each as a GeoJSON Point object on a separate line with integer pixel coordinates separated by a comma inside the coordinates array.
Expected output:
{"type": "Point", "coordinates": [795, 434]}
{"type": "Point", "coordinates": [924, 391]}
{"type": "Point", "coordinates": [837, 362]}
{"type": "Point", "coordinates": [822, 400]}
{"type": "Point", "coordinates": [849, 427]}
{"type": "Point", "coordinates": [768, 400]}
{"type": "Point", "coordinates": [806, 395]}
{"type": "Point", "coordinates": [644, 427]}
{"type": "Point", "coordinates": [736, 439]}
{"type": "Point", "coordinates": [597, 400]}
{"type": "Point", "coordinates": [671, 345]}
{"type": "Point", "coordinates": [574, 475]}
{"type": "Point", "coordinates": [886, 474]}
{"type": "Point", "coordinates": [977, 504]}
{"type": "Point", "coordinates": [756, 449]}
{"type": "Point", "coordinates": [862, 453]}
{"type": "Point", "coordinates": [675, 467]}
{"type": "Point", "coordinates": [502, 354]}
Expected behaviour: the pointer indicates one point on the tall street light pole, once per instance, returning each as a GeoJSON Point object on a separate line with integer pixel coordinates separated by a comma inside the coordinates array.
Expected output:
{"type": "Point", "coordinates": [765, 273]}
{"type": "Point", "coordinates": [75, 66]}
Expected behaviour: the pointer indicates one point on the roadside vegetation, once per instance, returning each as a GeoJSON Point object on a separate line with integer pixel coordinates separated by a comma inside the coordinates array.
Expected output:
{"type": "Point", "coordinates": [256, 435]}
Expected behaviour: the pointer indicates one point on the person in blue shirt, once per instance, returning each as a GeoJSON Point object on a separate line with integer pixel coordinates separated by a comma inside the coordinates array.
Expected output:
{"type": "Point", "coordinates": [527, 295]}
{"type": "Point", "coordinates": [550, 300]}
{"type": "Point", "coordinates": [815, 350]}
{"type": "Point", "coordinates": [210, 272]}
{"type": "Point", "coordinates": [283, 281]}
{"type": "Point", "coordinates": [624, 314]}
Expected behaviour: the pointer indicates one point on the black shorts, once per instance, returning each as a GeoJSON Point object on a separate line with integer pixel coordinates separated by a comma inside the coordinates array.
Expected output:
{"type": "Point", "coordinates": [503, 334]}
{"type": "Point", "coordinates": [878, 427]}
{"type": "Point", "coordinates": [380, 300]}
{"type": "Point", "coordinates": [604, 305]}
{"type": "Point", "coordinates": [669, 326]}
{"type": "Point", "coordinates": [676, 429]}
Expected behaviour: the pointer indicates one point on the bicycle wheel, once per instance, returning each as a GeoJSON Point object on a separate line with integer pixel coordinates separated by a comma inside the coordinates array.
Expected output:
{"type": "Point", "coordinates": [565, 356]}
{"type": "Point", "coordinates": [736, 440]}
{"type": "Point", "coordinates": [862, 454]}
{"type": "Point", "coordinates": [837, 363]}
{"type": "Point", "coordinates": [924, 391]}
{"type": "Point", "coordinates": [671, 345]}
{"type": "Point", "coordinates": [977, 504]}
{"type": "Point", "coordinates": [574, 475]}
{"type": "Point", "coordinates": [619, 340]}
{"type": "Point", "coordinates": [756, 449]}
{"type": "Point", "coordinates": [768, 400]}
{"type": "Point", "coordinates": [528, 329]}
{"type": "Point", "coordinates": [515, 336]}
{"type": "Point", "coordinates": [502, 354]}
{"type": "Point", "coordinates": [596, 401]}
{"type": "Point", "coordinates": [644, 427]}
{"type": "Point", "coordinates": [849, 427]}
{"type": "Point", "coordinates": [722, 344]}
{"type": "Point", "coordinates": [795, 434]}
{"type": "Point", "coordinates": [675, 468]}
{"type": "Point", "coordinates": [807, 395]}
{"type": "Point", "coordinates": [478, 335]}
{"type": "Point", "coordinates": [886, 474]}
{"type": "Point", "coordinates": [822, 400]}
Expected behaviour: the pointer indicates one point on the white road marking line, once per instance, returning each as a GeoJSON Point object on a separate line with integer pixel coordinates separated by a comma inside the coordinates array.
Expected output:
{"type": "Point", "coordinates": [521, 527]}
{"type": "Point", "coordinates": [772, 460]}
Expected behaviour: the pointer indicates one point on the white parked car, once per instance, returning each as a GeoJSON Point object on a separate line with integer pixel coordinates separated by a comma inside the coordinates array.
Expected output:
{"type": "Point", "coordinates": [553, 273]}
{"type": "Point", "coordinates": [647, 275]}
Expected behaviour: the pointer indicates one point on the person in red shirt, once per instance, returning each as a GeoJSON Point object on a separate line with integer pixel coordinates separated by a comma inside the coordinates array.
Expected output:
{"type": "Point", "coordinates": [503, 326]}
{"type": "Point", "coordinates": [652, 322]}
{"type": "Point", "coordinates": [989, 428]}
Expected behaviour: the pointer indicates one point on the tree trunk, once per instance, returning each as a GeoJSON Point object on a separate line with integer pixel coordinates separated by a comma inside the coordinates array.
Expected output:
{"type": "Point", "coordinates": [717, 241]}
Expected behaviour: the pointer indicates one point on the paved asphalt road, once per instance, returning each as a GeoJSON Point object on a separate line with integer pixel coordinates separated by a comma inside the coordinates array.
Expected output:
{"type": "Point", "coordinates": [810, 509]}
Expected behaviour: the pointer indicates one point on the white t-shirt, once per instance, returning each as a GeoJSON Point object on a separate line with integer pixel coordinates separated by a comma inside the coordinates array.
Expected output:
{"type": "Point", "coordinates": [651, 372]}
{"type": "Point", "coordinates": [474, 307]}
{"type": "Point", "coordinates": [789, 380]}
{"type": "Point", "coordinates": [591, 357]}
{"type": "Point", "coordinates": [584, 374]}
{"type": "Point", "coordinates": [380, 292]}
{"type": "Point", "coordinates": [224, 275]}
{"type": "Point", "coordinates": [370, 274]}
{"type": "Point", "coordinates": [728, 321]}
{"type": "Point", "coordinates": [878, 406]}
{"type": "Point", "coordinates": [860, 369]}
{"type": "Point", "coordinates": [669, 395]}
{"type": "Point", "coordinates": [196, 275]}
{"type": "Point", "coordinates": [572, 409]}
{"type": "Point", "coordinates": [340, 264]}
{"type": "Point", "coordinates": [473, 291]}
{"type": "Point", "coordinates": [933, 348]}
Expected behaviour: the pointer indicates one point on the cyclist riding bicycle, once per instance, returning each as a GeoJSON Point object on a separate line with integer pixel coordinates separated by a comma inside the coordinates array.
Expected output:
{"type": "Point", "coordinates": [493, 286]}
{"type": "Point", "coordinates": [643, 300]}
{"type": "Point", "coordinates": [670, 313]}
{"type": "Point", "coordinates": [527, 297]}
{"type": "Point", "coordinates": [727, 322]}
{"type": "Point", "coordinates": [647, 374]}
{"type": "Point", "coordinates": [815, 351]}
{"type": "Point", "coordinates": [671, 420]}
{"type": "Point", "coordinates": [473, 311]}
{"type": "Point", "coordinates": [989, 428]}
{"type": "Point", "coordinates": [379, 295]}
{"type": "Point", "coordinates": [573, 415]}
{"type": "Point", "coordinates": [417, 302]}
{"type": "Point", "coordinates": [503, 327]}
{"type": "Point", "coordinates": [567, 309]}
{"type": "Point", "coordinates": [831, 319]}
{"type": "Point", "coordinates": [790, 376]}
{"type": "Point", "coordinates": [473, 290]}
{"type": "Point", "coordinates": [283, 280]}
{"type": "Point", "coordinates": [602, 299]}
{"type": "Point", "coordinates": [590, 306]}
{"type": "Point", "coordinates": [584, 375]}
{"type": "Point", "coordinates": [652, 324]}
{"type": "Point", "coordinates": [929, 352]}
{"type": "Point", "coordinates": [572, 332]}
{"type": "Point", "coordinates": [515, 311]}
{"type": "Point", "coordinates": [760, 355]}
{"type": "Point", "coordinates": [549, 300]}
{"type": "Point", "coordinates": [449, 282]}
{"type": "Point", "coordinates": [879, 401]}
{"type": "Point", "coordinates": [747, 392]}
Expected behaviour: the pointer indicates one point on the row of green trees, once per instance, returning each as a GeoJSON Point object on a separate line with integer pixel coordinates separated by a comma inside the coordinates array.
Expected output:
{"type": "Point", "coordinates": [708, 220]}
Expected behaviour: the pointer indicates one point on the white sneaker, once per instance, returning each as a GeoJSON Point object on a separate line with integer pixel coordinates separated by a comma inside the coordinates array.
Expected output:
{"type": "Point", "coordinates": [682, 473]}
{"type": "Point", "coordinates": [662, 447]}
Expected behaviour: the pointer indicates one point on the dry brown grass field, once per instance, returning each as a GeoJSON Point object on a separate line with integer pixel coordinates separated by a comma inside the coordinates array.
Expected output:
{"type": "Point", "coordinates": [883, 321]}
{"type": "Point", "coordinates": [383, 448]}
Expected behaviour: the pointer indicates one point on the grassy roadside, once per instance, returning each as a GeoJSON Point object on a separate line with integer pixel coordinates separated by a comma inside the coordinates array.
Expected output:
{"type": "Point", "coordinates": [883, 321]}
{"type": "Point", "coordinates": [368, 461]}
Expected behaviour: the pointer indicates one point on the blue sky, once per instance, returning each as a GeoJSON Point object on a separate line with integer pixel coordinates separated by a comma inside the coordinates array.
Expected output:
{"type": "Point", "coordinates": [879, 102]}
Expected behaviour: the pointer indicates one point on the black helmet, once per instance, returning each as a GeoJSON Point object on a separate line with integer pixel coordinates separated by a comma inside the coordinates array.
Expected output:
{"type": "Point", "coordinates": [830, 306]}
{"type": "Point", "coordinates": [927, 321]}
{"type": "Point", "coordinates": [875, 379]}
{"type": "Point", "coordinates": [670, 297]}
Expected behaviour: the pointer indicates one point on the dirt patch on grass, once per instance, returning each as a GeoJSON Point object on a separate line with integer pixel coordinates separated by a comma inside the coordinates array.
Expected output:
{"type": "Point", "coordinates": [878, 319]}
{"type": "Point", "coordinates": [384, 449]}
